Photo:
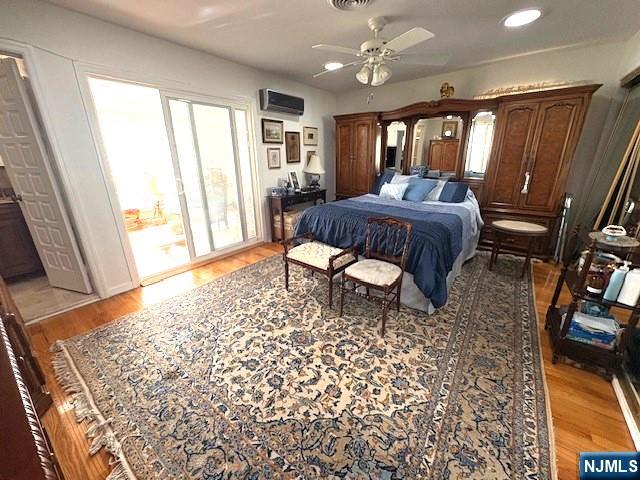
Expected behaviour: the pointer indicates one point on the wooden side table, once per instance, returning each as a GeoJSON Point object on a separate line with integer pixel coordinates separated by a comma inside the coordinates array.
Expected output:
{"type": "Point", "coordinates": [506, 228]}
{"type": "Point", "coordinates": [280, 203]}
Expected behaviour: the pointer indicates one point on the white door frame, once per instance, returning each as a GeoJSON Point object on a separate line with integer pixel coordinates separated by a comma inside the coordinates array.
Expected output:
{"type": "Point", "coordinates": [83, 72]}
{"type": "Point", "coordinates": [78, 217]}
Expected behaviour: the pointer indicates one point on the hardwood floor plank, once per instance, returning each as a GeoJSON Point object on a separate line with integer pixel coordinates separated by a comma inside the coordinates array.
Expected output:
{"type": "Point", "coordinates": [585, 412]}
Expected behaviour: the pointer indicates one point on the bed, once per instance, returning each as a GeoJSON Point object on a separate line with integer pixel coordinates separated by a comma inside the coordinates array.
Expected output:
{"type": "Point", "coordinates": [445, 235]}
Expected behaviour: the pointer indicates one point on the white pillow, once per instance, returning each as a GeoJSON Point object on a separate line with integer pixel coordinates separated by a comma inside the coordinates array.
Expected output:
{"type": "Point", "coordinates": [394, 191]}
{"type": "Point", "coordinates": [398, 178]}
{"type": "Point", "coordinates": [435, 193]}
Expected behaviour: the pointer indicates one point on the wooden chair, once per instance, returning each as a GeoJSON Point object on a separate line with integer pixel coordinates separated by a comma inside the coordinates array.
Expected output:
{"type": "Point", "coordinates": [386, 251]}
{"type": "Point", "coordinates": [317, 257]}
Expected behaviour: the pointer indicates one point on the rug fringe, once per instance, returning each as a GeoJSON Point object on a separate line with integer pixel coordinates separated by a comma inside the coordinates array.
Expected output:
{"type": "Point", "coordinates": [98, 428]}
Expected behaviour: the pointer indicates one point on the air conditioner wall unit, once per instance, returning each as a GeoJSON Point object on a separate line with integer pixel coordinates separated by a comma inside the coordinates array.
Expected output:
{"type": "Point", "coordinates": [273, 101]}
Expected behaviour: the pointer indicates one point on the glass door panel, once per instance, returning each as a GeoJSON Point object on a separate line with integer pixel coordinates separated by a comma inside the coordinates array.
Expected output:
{"type": "Point", "coordinates": [215, 141]}
{"type": "Point", "coordinates": [244, 156]}
{"type": "Point", "coordinates": [135, 143]}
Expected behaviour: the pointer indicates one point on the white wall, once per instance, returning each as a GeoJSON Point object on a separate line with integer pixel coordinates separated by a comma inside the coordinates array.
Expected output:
{"type": "Point", "coordinates": [64, 42]}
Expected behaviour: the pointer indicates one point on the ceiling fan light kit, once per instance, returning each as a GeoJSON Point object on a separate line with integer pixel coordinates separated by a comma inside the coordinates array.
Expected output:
{"type": "Point", "coordinates": [375, 54]}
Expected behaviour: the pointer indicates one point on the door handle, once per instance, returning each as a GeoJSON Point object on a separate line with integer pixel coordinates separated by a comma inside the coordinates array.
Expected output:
{"type": "Point", "coordinates": [16, 197]}
{"type": "Point", "coordinates": [180, 186]}
{"type": "Point", "coordinates": [525, 188]}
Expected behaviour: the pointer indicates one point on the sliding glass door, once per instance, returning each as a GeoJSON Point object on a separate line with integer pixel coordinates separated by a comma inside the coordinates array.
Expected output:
{"type": "Point", "coordinates": [182, 172]}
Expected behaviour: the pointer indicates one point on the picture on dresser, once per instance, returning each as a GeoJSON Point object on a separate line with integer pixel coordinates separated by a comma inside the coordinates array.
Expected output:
{"type": "Point", "coordinates": [310, 135]}
{"type": "Point", "coordinates": [293, 176]}
{"type": "Point", "coordinates": [273, 158]}
{"type": "Point", "coordinates": [272, 131]}
{"type": "Point", "coordinates": [292, 146]}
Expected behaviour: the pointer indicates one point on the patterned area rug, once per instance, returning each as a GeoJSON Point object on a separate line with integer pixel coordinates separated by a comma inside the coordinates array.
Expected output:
{"type": "Point", "coordinates": [240, 379]}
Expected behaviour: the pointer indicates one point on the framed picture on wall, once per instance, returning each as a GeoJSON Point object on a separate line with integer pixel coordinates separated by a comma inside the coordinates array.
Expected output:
{"type": "Point", "coordinates": [292, 146]}
{"type": "Point", "coordinates": [309, 153]}
{"type": "Point", "coordinates": [272, 131]}
{"type": "Point", "coordinates": [449, 129]}
{"type": "Point", "coordinates": [310, 135]}
{"type": "Point", "coordinates": [273, 158]}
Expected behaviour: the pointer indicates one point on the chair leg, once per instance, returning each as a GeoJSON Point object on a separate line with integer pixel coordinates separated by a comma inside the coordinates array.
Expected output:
{"type": "Point", "coordinates": [385, 308]}
{"type": "Point", "coordinates": [286, 275]}
{"type": "Point", "coordinates": [527, 259]}
{"type": "Point", "coordinates": [330, 289]}
{"type": "Point", "coordinates": [342, 291]}
{"type": "Point", "coordinates": [398, 298]}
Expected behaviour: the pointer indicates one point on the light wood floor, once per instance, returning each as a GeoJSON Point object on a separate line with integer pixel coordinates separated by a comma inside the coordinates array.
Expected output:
{"type": "Point", "coordinates": [586, 415]}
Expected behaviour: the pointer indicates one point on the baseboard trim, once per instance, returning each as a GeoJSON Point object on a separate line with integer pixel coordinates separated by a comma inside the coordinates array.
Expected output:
{"type": "Point", "coordinates": [626, 412]}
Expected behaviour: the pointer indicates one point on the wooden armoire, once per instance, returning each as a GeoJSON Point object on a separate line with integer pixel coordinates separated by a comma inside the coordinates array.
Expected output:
{"type": "Point", "coordinates": [534, 140]}
{"type": "Point", "coordinates": [355, 151]}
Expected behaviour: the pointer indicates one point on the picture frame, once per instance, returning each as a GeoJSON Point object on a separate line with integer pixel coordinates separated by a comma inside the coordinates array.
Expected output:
{"type": "Point", "coordinates": [293, 178]}
{"type": "Point", "coordinates": [449, 126]}
{"type": "Point", "coordinates": [273, 158]}
{"type": "Point", "coordinates": [272, 131]}
{"type": "Point", "coordinates": [309, 153]}
{"type": "Point", "coordinates": [292, 146]}
{"type": "Point", "coordinates": [310, 136]}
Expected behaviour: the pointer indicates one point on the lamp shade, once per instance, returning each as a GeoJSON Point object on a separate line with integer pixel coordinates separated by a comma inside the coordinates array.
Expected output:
{"type": "Point", "coordinates": [314, 166]}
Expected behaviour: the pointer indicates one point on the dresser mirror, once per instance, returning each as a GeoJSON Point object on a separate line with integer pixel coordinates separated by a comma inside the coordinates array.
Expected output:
{"type": "Point", "coordinates": [394, 149]}
{"type": "Point", "coordinates": [479, 146]}
{"type": "Point", "coordinates": [436, 142]}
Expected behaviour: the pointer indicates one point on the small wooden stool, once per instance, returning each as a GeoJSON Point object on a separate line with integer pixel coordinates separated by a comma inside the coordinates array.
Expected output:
{"type": "Point", "coordinates": [515, 228]}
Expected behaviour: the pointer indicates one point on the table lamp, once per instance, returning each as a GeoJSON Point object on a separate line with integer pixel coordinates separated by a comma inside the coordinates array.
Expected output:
{"type": "Point", "coordinates": [315, 169]}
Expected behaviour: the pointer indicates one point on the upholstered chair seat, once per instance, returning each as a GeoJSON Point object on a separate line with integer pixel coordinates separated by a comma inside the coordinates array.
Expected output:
{"type": "Point", "coordinates": [317, 254]}
{"type": "Point", "coordinates": [374, 272]}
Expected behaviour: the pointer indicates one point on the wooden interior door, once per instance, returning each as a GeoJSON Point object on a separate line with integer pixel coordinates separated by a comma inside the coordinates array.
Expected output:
{"type": "Point", "coordinates": [450, 156]}
{"type": "Point", "coordinates": [515, 133]}
{"type": "Point", "coordinates": [25, 156]}
{"type": "Point", "coordinates": [362, 157]}
{"type": "Point", "coordinates": [344, 133]}
{"type": "Point", "coordinates": [436, 152]}
{"type": "Point", "coordinates": [551, 155]}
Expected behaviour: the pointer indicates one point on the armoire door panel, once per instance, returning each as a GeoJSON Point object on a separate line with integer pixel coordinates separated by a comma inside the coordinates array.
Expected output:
{"type": "Point", "coordinates": [362, 158]}
{"type": "Point", "coordinates": [551, 154]}
{"type": "Point", "coordinates": [450, 157]}
{"type": "Point", "coordinates": [344, 164]}
{"type": "Point", "coordinates": [436, 152]}
{"type": "Point", "coordinates": [515, 136]}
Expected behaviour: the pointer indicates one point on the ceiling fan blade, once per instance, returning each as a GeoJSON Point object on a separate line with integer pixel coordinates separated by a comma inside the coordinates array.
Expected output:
{"type": "Point", "coordinates": [319, 74]}
{"type": "Point", "coordinates": [429, 60]}
{"type": "Point", "coordinates": [408, 39]}
{"type": "Point", "coordinates": [336, 48]}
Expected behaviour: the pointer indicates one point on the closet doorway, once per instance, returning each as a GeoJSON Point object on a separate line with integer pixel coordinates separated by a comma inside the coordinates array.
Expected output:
{"type": "Point", "coordinates": [182, 172]}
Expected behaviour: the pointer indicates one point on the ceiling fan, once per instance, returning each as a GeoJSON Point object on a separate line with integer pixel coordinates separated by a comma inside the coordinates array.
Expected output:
{"type": "Point", "coordinates": [375, 54]}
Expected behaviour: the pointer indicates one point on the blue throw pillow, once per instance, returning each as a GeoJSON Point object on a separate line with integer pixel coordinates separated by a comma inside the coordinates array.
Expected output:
{"type": "Point", "coordinates": [381, 179]}
{"type": "Point", "coordinates": [454, 192]}
{"type": "Point", "coordinates": [419, 188]}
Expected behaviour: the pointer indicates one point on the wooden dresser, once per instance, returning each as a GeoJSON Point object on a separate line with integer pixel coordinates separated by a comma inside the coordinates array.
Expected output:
{"type": "Point", "coordinates": [531, 151]}
{"type": "Point", "coordinates": [25, 450]}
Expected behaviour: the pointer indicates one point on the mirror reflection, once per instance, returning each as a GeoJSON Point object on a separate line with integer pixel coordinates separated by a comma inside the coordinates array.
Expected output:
{"type": "Point", "coordinates": [436, 142]}
{"type": "Point", "coordinates": [396, 133]}
{"type": "Point", "coordinates": [479, 150]}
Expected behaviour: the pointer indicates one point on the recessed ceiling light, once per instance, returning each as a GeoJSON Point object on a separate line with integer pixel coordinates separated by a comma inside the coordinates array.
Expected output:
{"type": "Point", "coordinates": [523, 17]}
{"type": "Point", "coordinates": [333, 65]}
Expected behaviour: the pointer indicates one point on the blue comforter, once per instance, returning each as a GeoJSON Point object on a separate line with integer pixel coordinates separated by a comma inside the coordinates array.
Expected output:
{"type": "Point", "coordinates": [435, 244]}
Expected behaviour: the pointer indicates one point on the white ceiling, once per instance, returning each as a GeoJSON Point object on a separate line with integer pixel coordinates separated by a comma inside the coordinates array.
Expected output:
{"type": "Point", "coordinates": [277, 35]}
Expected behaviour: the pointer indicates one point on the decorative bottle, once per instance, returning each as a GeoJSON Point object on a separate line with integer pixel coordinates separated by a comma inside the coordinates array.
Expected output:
{"type": "Point", "coordinates": [630, 288]}
{"type": "Point", "coordinates": [615, 282]}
